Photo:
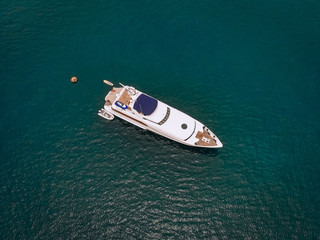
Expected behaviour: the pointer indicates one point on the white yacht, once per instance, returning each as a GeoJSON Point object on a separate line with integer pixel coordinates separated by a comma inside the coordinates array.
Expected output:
{"type": "Point", "coordinates": [148, 113]}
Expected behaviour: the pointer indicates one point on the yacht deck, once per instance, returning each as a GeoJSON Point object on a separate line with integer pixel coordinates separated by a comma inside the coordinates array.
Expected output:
{"type": "Point", "coordinates": [205, 139]}
{"type": "Point", "coordinates": [125, 98]}
{"type": "Point", "coordinates": [112, 95]}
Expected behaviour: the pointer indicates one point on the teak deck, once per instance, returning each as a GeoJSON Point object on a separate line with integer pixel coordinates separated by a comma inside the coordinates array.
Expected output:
{"type": "Point", "coordinates": [113, 94]}
{"type": "Point", "coordinates": [205, 139]}
{"type": "Point", "coordinates": [125, 98]}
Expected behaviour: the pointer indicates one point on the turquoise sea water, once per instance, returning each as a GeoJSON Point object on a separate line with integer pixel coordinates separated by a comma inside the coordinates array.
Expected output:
{"type": "Point", "coordinates": [249, 70]}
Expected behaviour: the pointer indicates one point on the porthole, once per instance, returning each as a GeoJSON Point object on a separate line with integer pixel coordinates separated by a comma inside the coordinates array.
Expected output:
{"type": "Point", "coordinates": [184, 126]}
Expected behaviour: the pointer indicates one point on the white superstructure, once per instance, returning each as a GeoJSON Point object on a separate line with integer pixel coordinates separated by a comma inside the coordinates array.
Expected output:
{"type": "Point", "coordinates": [148, 113]}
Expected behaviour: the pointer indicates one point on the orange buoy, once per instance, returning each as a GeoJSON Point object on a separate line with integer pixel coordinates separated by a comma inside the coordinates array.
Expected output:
{"type": "Point", "coordinates": [74, 79]}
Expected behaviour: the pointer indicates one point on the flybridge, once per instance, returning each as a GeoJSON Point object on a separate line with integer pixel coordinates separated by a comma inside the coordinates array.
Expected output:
{"type": "Point", "coordinates": [145, 104]}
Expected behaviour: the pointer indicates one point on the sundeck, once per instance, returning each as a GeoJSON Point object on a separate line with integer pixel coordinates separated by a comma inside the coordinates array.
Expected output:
{"type": "Point", "coordinates": [148, 113]}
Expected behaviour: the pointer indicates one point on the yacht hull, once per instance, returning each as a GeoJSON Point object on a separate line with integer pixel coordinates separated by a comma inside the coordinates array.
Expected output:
{"type": "Point", "coordinates": [151, 114]}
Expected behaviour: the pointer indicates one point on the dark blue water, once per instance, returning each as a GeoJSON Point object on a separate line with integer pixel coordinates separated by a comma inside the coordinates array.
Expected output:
{"type": "Point", "coordinates": [249, 70]}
